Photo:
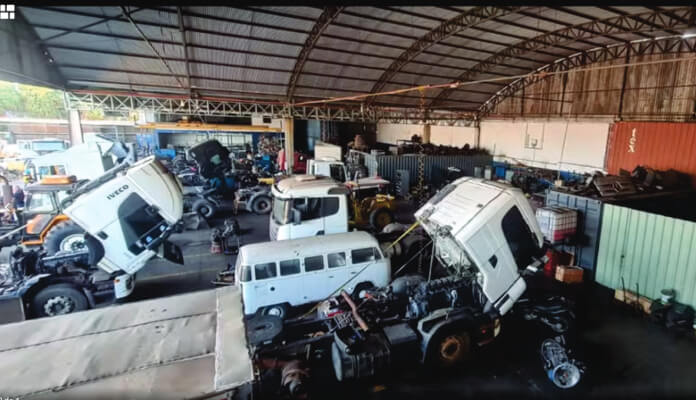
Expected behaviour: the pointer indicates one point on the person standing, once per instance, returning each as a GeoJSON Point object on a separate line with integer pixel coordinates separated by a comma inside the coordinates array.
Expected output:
{"type": "Point", "coordinates": [18, 197]}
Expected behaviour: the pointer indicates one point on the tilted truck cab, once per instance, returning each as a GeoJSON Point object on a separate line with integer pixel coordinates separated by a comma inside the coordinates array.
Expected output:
{"type": "Point", "coordinates": [130, 215]}
{"type": "Point", "coordinates": [487, 229]}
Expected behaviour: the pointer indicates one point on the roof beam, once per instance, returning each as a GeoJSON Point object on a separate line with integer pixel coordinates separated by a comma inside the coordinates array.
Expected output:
{"type": "Point", "coordinates": [83, 27]}
{"type": "Point", "coordinates": [447, 29]}
{"type": "Point", "coordinates": [324, 20]}
{"type": "Point", "coordinates": [622, 12]}
{"type": "Point", "coordinates": [146, 40]}
{"type": "Point", "coordinates": [182, 29]}
{"type": "Point", "coordinates": [566, 24]}
{"type": "Point", "coordinates": [639, 47]}
{"type": "Point", "coordinates": [197, 77]}
{"type": "Point", "coordinates": [620, 24]}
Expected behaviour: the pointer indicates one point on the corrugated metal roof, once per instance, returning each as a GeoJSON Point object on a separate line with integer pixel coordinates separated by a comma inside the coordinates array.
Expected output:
{"type": "Point", "coordinates": [259, 48]}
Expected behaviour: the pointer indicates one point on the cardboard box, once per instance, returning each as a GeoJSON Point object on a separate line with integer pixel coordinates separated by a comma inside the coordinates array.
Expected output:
{"type": "Point", "coordinates": [569, 274]}
{"type": "Point", "coordinates": [630, 298]}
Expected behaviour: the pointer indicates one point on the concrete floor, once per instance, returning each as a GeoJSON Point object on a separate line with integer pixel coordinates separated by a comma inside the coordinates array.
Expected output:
{"type": "Point", "coordinates": [625, 355]}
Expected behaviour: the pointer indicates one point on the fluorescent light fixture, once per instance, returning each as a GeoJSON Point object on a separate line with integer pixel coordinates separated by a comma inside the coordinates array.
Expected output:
{"type": "Point", "coordinates": [689, 35]}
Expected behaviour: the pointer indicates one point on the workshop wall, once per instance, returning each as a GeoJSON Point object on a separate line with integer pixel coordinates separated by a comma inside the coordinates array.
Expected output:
{"type": "Point", "coordinates": [577, 146]}
{"type": "Point", "coordinates": [390, 133]}
{"type": "Point", "coordinates": [652, 251]}
{"type": "Point", "coordinates": [456, 136]}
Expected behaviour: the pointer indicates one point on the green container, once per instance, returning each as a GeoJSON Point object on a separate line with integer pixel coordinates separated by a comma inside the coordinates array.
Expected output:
{"type": "Point", "coordinates": [650, 250]}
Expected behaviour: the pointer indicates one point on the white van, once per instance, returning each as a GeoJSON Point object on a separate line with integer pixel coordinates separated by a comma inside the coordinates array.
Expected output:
{"type": "Point", "coordinates": [274, 276]}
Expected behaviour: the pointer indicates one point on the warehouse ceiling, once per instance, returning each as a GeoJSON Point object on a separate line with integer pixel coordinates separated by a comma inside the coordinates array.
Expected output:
{"type": "Point", "coordinates": [301, 54]}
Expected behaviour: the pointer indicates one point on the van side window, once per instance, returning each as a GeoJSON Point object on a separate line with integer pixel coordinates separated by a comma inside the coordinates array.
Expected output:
{"type": "Point", "coordinates": [265, 270]}
{"type": "Point", "coordinates": [313, 263]}
{"type": "Point", "coordinates": [365, 255]}
{"type": "Point", "coordinates": [289, 267]}
{"type": "Point", "coordinates": [337, 259]}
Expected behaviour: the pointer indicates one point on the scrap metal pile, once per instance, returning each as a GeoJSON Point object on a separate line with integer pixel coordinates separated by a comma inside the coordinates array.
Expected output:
{"type": "Point", "coordinates": [415, 146]}
{"type": "Point", "coordinates": [641, 180]}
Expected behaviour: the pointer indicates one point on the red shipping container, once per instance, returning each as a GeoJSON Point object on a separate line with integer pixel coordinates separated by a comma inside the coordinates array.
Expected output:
{"type": "Point", "coordinates": [658, 145]}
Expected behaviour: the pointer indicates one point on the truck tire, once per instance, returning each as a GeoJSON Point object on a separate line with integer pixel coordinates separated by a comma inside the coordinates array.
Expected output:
{"type": "Point", "coordinates": [449, 348]}
{"type": "Point", "coordinates": [261, 205]}
{"type": "Point", "coordinates": [277, 310]}
{"type": "Point", "coordinates": [380, 218]}
{"type": "Point", "coordinates": [64, 236]}
{"type": "Point", "coordinates": [58, 299]}
{"type": "Point", "coordinates": [204, 208]}
{"type": "Point", "coordinates": [360, 287]}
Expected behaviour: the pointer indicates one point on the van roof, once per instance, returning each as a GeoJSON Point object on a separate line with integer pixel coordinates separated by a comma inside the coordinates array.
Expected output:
{"type": "Point", "coordinates": [280, 249]}
{"type": "Point", "coordinates": [307, 184]}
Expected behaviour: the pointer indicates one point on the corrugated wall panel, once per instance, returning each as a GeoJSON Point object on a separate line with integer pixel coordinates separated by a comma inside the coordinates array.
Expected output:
{"type": "Point", "coordinates": [435, 166]}
{"type": "Point", "coordinates": [648, 250]}
{"type": "Point", "coordinates": [589, 223]}
{"type": "Point", "coordinates": [660, 145]}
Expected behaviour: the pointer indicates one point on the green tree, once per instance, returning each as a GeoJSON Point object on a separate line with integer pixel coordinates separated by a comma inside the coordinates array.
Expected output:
{"type": "Point", "coordinates": [31, 101]}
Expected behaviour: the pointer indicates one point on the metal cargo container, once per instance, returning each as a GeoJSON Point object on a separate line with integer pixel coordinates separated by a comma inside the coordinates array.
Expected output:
{"type": "Point", "coordinates": [434, 167]}
{"type": "Point", "coordinates": [589, 219]}
{"type": "Point", "coordinates": [658, 145]}
{"type": "Point", "coordinates": [650, 252]}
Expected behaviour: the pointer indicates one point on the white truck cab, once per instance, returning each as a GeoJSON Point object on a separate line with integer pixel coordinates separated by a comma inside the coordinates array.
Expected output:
{"type": "Point", "coordinates": [486, 229]}
{"type": "Point", "coordinates": [308, 205]}
{"type": "Point", "coordinates": [130, 215]}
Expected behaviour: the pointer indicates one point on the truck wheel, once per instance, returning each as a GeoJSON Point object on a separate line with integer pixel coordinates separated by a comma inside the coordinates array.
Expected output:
{"type": "Point", "coordinates": [261, 205]}
{"type": "Point", "coordinates": [277, 310]}
{"type": "Point", "coordinates": [361, 287]}
{"type": "Point", "coordinates": [204, 208]}
{"type": "Point", "coordinates": [380, 218]}
{"type": "Point", "coordinates": [64, 236]}
{"type": "Point", "coordinates": [450, 348]}
{"type": "Point", "coordinates": [58, 299]}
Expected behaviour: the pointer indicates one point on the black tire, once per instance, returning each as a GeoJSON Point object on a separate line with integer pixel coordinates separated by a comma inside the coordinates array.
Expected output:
{"type": "Point", "coordinates": [63, 237]}
{"type": "Point", "coordinates": [380, 218]}
{"type": "Point", "coordinates": [204, 207]}
{"type": "Point", "coordinates": [58, 299]}
{"type": "Point", "coordinates": [360, 287]}
{"type": "Point", "coordinates": [448, 348]}
{"type": "Point", "coordinates": [261, 205]}
{"type": "Point", "coordinates": [276, 310]}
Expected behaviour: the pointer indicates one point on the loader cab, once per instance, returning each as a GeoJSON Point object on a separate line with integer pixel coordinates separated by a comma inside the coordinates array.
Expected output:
{"type": "Point", "coordinates": [308, 205]}
{"type": "Point", "coordinates": [43, 211]}
{"type": "Point", "coordinates": [328, 167]}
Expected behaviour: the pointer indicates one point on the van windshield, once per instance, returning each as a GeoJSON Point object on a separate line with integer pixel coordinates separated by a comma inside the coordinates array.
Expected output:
{"type": "Point", "coordinates": [281, 211]}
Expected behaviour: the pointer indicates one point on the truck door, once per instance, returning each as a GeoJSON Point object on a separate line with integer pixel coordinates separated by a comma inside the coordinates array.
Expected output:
{"type": "Point", "coordinates": [306, 217]}
{"type": "Point", "coordinates": [493, 262]}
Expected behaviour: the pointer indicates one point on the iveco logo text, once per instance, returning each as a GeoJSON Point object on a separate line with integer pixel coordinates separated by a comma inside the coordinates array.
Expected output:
{"type": "Point", "coordinates": [632, 142]}
{"type": "Point", "coordinates": [116, 192]}
{"type": "Point", "coordinates": [7, 11]}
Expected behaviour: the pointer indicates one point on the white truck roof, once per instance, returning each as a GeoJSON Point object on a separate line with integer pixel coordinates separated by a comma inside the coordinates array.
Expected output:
{"type": "Point", "coordinates": [268, 251]}
{"type": "Point", "coordinates": [185, 346]}
{"type": "Point", "coordinates": [307, 185]}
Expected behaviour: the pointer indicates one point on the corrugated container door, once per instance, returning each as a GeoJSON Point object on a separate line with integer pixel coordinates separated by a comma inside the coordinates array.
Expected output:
{"type": "Point", "coordinates": [658, 145]}
{"type": "Point", "coordinates": [647, 252]}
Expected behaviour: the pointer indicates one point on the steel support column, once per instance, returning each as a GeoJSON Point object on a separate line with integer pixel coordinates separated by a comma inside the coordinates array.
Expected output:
{"type": "Point", "coordinates": [289, 130]}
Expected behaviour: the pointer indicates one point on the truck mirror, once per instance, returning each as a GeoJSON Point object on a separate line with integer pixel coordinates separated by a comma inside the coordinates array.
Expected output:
{"type": "Point", "coordinates": [296, 217]}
